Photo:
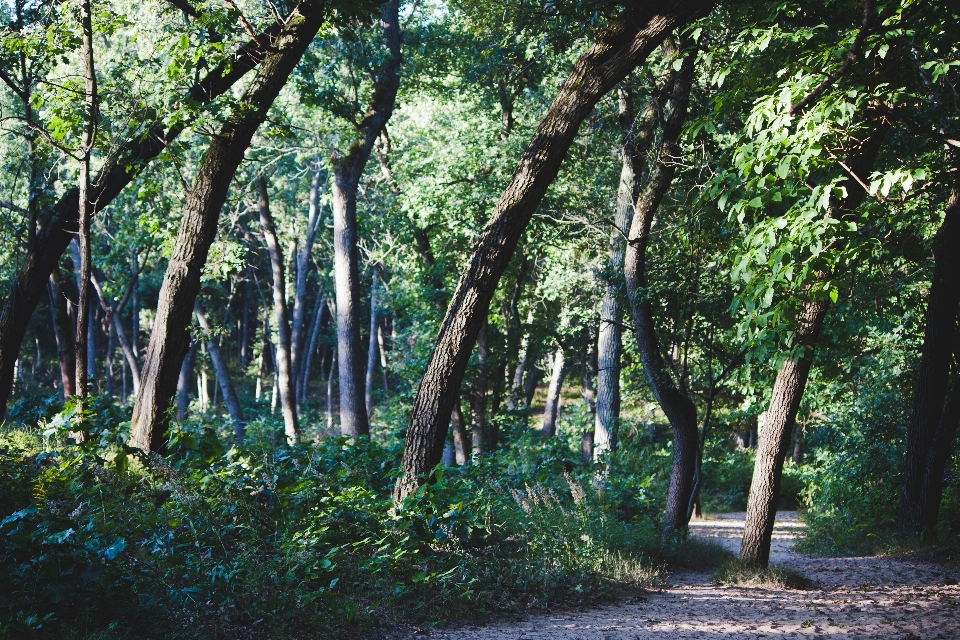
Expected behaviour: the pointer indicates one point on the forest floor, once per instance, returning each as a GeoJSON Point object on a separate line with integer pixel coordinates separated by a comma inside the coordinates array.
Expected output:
{"type": "Point", "coordinates": [867, 597]}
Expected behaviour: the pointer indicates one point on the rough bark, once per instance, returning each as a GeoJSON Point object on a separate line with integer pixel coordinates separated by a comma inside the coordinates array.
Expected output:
{"type": "Point", "coordinates": [348, 169]}
{"type": "Point", "coordinates": [478, 397]}
{"type": "Point", "coordinates": [297, 339]}
{"type": "Point", "coordinates": [551, 409]}
{"type": "Point", "coordinates": [792, 378]}
{"type": "Point", "coordinates": [285, 377]}
{"type": "Point", "coordinates": [676, 405]}
{"type": "Point", "coordinates": [223, 377]}
{"type": "Point", "coordinates": [619, 48]}
{"type": "Point", "coordinates": [63, 332]}
{"type": "Point", "coordinates": [775, 438]}
{"type": "Point", "coordinates": [119, 169]}
{"type": "Point", "coordinates": [181, 282]}
{"type": "Point", "coordinates": [941, 447]}
{"type": "Point", "coordinates": [609, 338]}
{"type": "Point", "coordinates": [932, 377]}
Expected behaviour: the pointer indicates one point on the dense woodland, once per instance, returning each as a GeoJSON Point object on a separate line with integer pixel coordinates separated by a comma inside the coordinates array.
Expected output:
{"type": "Point", "coordinates": [323, 315]}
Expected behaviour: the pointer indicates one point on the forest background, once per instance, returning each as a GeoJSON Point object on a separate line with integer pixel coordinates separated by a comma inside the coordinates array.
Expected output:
{"type": "Point", "coordinates": [325, 315]}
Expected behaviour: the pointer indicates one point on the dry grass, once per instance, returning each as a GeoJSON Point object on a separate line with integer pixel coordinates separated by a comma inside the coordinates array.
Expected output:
{"type": "Point", "coordinates": [700, 555]}
{"type": "Point", "coordinates": [735, 573]}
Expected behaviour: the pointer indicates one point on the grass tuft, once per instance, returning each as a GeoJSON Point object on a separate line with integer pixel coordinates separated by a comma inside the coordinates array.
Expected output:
{"type": "Point", "coordinates": [735, 573]}
{"type": "Point", "coordinates": [700, 555]}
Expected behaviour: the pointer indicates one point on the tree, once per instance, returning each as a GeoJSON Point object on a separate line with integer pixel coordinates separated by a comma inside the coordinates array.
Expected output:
{"type": "Point", "coordinates": [181, 283]}
{"type": "Point", "coordinates": [618, 49]}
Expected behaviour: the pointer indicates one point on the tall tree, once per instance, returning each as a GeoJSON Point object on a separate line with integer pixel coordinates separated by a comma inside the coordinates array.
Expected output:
{"type": "Point", "coordinates": [285, 376]}
{"type": "Point", "coordinates": [672, 398]}
{"type": "Point", "coordinates": [347, 170]}
{"type": "Point", "coordinates": [181, 283]}
{"type": "Point", "coordinates": [618, 49]}
{"type": "Point", "coordinates": [223, 376]}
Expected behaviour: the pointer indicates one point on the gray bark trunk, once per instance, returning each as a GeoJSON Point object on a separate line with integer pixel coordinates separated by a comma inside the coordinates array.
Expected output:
{"type": "Point", "coordinates": [181, 282]}
{"type": "Point", "coordinates": [371, 349]}
{"type": "Point", "coordinates": [551, 410]}
{"type": "Point", "coordinates": [461, 439]}
{"type": "Point", "coordinates": [311, 348]}
{"type": "Point", "coordinates": [223, 377]}
{"type": "Point", "coordinates": [183, 383]}
{"type": "Point", "coordinates": [348, 169]}
{"type": "Point", "coordinates": [677, 406]}
{"type": "Point", "coordinates": [286, 389]}
{"type": "Point", "coordinates": [297, 340]}
{"type": "Point", "coordinates": [64, 333]}
{"type": "Point", "coordinates": [619, 48]}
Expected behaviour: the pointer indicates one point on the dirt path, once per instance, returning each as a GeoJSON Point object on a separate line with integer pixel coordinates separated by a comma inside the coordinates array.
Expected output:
{"type": "Point", "coordinates": [854, 598]}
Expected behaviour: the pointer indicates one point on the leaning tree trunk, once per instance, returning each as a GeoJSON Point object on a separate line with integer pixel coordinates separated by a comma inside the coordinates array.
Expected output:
{"type": "Point", "coordinates": [677, 406]}
{"type": "Point", "coordinates": [551, 409]}
{"type": "Point", "coordinates": [931, 390]}
{"type": "Point", "coordinates": [347, 171]}
{"type": "Point", "coordinates": [288, 398]}
{"type": "Point", "coordinates": [303, 382]}
{"type": "Point", "coordinates": [63, 331]}
{"type": "Point", "coordinates": [181, 283]}
{"type": "Point", "coordinates": [775, 437]}
{"type": "Point", "coordinates": [119, 169]}
{"type": "Point", "coordinates": [223, 377]}
{"type": "Point", "coordinates": [792, 379]}
{"type": "Point", "coordinates": [619, 49]}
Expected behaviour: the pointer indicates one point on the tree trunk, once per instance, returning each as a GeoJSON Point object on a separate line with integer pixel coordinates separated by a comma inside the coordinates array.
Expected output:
{"type": "Point", "coordinates": [792, 379]}
{"type": "Point", "coordinates": [348, 169]}
{"type": "Point", "coordinates": [181, 282]}
{"type": "Point", "coordinates": [516, 389]}
{"type": "Point", "coordinates": [117, 326]}
{"type": "Point", "coordinates": [319, 308]}
{"type": "Point", "coordinates": [461, 439]}
{"type": "Point", "coordinates": [303, 262]}
{"type": "Point", "coordinates": [941, 447]}
{"type": "Point", "coordinates": [285, 381]}
{"type": "Point", "coordinates": [371, 349]}
{"type": "Point", "coordinates": [932, 378]}
{"type": "Point", "coordinates": [478, 396]}
{"type": "Point", "coordinates": [677, 406]}
{"type": "Point", "coordinates": [618, 50]}
{"type": "Point", "coordinates": [775, 438]}
{"type": "Point", "coordinates": [64, 333]}
{"type": "Point", "coordinates": [119, 169]}
{"type": "Point", "coordinates": [382, 347]}
{"type": "Point", "coordinates": [609, 340]}
{"type": "Point", "coordinates": [183, 383]}
{"type": "Point", "coordinates": [223, 377]}
{"type": "Point", "coordinates": [135, 304]}
{"type": "Point", "coordinates": [551, 410]}
{"type": "Point", "coordinates": [83, 343]}
{"type": "Point", "coordinates": [333, 367]}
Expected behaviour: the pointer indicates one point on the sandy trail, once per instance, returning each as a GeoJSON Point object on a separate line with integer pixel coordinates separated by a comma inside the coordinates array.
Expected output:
{"type": "Point", "coordinates": [854, 598]}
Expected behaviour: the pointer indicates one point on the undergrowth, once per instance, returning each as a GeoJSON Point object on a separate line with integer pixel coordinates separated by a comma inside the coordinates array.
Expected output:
{"type": "Point", "coordinates": [265, 540]}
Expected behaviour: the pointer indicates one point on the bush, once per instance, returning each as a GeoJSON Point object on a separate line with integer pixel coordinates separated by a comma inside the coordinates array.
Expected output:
{"type": "Point", "coordinates": [216, 539]}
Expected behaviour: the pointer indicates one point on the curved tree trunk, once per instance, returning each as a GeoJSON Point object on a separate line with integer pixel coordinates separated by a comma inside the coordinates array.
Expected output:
{"type": "Point", "coordinates": [288, 398]}
{"type": "Point", "coordinates": [297, 336]}
{"type": "Point", "coordinates": [677, 406]}
{"type": "Point", "coordinates": [939, 339]}
{"type": "Point", "coordinates": [181, 282]}
{"type": "Point", "coordinates": [792, 379]}
{"type": "Point", "coordinates": [618, 50]}
{"type": "Point", "coordinates": [223, 378]}
{"type": "Point", "coordinates": [348, 169]}
{"type": "Point", "coordinates": [311, 346]}
{"type": "Point", "coordinates": [119, 169]}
